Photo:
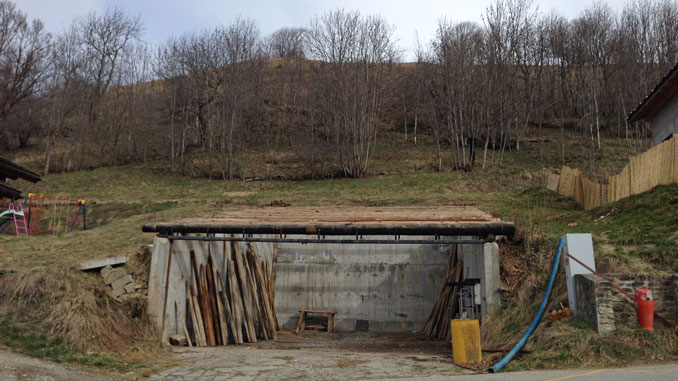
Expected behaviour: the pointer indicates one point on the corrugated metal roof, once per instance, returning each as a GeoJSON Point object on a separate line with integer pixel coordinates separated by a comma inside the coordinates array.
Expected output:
{"type": "Point", "coordinates": [652, 101]}
{"type": "Point", "coordinates": [8, 192]}
{"type": "Point", "coordinates": [12, 170]}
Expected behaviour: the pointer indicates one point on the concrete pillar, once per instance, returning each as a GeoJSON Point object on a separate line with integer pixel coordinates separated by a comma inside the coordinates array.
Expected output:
{"type": "Point", "coordinates": [156, 280]}
{"type": "Point", "coordinates": [490, 280]}
{"type": "Point", "coordinates": [482, 262]}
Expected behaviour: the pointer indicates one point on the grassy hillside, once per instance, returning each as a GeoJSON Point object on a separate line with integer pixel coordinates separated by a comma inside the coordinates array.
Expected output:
{"type": "Point", "coordinates": [639, 236]}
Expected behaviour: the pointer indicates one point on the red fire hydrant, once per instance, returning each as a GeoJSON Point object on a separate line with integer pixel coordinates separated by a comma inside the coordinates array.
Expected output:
{"type": "Point", "coordinates": [645, 308]}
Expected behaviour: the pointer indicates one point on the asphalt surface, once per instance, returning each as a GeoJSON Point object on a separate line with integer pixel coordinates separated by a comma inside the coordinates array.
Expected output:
{"type": "Point", "coordinates": [653, 372]}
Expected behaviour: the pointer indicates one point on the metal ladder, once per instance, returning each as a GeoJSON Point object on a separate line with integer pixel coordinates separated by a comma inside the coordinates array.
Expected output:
{"type": "Point", "coordinates": [19, 219]}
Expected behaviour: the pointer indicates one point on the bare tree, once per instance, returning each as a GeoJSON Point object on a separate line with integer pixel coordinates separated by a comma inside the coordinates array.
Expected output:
{"type": "Point", "coordinates": [284, 91]}
{"type": "Point", "coordinates": [239, 75]}
{"type": "Point", "coordinates": [328, 90]}
{"type": "Point", "coordinates": [287, 43]}
{"type": "Point", "coordinates": [456, 50]}
{"type": "Point", "coordinates": [105, 38]}
{"type": "Point", "coordinates": [23, 66]}
{"type": "Point", "coordinates": [65, 88]}
{"type": "Point", "coordinates": [212, 79]}
{"type": "Point", "coordinates": [355, 54]}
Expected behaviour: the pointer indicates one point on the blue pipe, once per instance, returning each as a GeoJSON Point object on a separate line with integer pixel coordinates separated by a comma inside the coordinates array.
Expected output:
{"type": "Point", "coordinates": [509, 356]}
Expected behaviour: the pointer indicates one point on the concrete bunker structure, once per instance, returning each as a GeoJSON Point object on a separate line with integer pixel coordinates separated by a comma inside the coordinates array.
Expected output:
{"type": "Point", "coordinates": [380, 268]}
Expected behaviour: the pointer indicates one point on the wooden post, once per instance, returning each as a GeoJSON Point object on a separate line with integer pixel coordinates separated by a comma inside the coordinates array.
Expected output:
{"type": "Point", "coordinates": [242, 274]}
{"type": "Point", "coordinates": [211, 295]}
{"type": "Point", "coordinates": [267, 275]}
{"type": "Point", "coordinates": [228, 310]}
{"type": "Point", "coordinates": [236, 303]}
{"type": "Point", "coordinates": [274, 263]}
{"type": "Point", "coordinates": [268, 314]}
{"type": "Point", "coordinates": [251, 277]}
{"type": "Point", "coordinates": [164, 303]}
{"type": "Point", "coordinates": [206, 302]}
{"type": "Point", "coordinates": [223, 328]}
{"type": "Point", "coordinates": [330, 322]}
{"type": "Point", "coordinates": [183, 323]}
{"type": "Point", "coordinates": [300, 323]}
{"type": "Point", "coordinates": [196, 317]}
{"type": "Point", "coordinates": [203, 304]}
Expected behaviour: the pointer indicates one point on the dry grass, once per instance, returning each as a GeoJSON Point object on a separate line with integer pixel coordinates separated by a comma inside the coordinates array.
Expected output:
{"type": "Point", "coordinates": [73, 306]}
{"type": "Point", "coordinates": [45, 292]}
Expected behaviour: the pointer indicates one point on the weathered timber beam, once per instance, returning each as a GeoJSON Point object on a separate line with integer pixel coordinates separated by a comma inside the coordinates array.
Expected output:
{"type": "Point", "coordinates": [454, 229]}
{"type": "Point", "coordinates": [331, 240]}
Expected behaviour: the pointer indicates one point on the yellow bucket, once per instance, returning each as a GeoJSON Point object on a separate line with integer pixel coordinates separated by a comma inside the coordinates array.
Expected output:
{"type": "Point", "coordinates": [466, 341]}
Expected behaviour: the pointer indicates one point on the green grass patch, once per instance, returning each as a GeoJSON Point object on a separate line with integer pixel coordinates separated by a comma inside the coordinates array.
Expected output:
{"type": "Point", "coordinates": [32, 342]}
{"type": "Point", "coordinates": [643, 226]}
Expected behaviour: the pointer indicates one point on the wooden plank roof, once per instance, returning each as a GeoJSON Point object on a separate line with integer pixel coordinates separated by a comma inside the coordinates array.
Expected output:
{"type": "Point", "coordinates": [350, 220]}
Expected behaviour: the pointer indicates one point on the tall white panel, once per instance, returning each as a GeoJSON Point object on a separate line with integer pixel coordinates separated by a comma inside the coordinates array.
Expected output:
{"type": "Point", "coordinates": [579, 246]}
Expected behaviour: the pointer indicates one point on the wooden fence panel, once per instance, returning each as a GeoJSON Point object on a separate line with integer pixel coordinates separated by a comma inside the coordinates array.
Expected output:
{"type": "Point", "coordinates": [657, 166]}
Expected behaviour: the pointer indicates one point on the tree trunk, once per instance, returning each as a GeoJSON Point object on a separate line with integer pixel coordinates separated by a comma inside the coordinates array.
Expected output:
{"type": "Point", "coordinates": [48, 153]}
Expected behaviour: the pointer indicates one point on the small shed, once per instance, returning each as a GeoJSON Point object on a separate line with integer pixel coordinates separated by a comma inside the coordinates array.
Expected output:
{"type": "Point", "coordinates": [660, 108]}
{"type": "Point", "coordinates": [382, 266]}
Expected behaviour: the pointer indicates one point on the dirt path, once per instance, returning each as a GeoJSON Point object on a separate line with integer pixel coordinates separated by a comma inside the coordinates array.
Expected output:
{"type": "Point", "coordinates": [241, 363]}
{"type": "Point", "coordinates": [14, 366]}
{"type": "Point", "coordinates": [317, 355]}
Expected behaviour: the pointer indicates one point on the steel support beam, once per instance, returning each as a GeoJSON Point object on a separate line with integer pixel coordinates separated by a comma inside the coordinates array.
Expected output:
{"type": "Point", "coordinates": [330, 240]}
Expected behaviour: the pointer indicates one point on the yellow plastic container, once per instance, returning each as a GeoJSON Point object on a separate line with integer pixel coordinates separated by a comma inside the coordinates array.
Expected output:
{"type": "Point", "coordinates": [466, 341]}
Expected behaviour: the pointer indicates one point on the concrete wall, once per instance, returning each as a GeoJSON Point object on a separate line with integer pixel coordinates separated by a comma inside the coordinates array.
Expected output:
{"type": "Point", "coordinates": [606, 309]}
{"type": "Point", "coordinates": [665, 121]}
{"type": "Point", "coordinates": [393, 287]}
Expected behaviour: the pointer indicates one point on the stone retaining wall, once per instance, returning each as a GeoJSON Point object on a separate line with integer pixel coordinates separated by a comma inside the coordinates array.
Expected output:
{"type": "Point", "coordinates": [606, 309]}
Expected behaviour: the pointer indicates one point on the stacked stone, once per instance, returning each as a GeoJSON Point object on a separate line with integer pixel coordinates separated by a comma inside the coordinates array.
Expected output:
{"type": "Point", "coordinates": [121, 285]}
{"type": "Point", "coordinates": [606, 309]}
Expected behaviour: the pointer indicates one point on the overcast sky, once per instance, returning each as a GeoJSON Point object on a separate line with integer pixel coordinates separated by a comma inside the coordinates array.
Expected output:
{"type": "Point", "coordinates": [165, 18]}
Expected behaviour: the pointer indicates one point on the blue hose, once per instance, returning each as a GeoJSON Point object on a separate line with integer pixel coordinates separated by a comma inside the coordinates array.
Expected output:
{"type": "Point", "coordinates": [509, 356]}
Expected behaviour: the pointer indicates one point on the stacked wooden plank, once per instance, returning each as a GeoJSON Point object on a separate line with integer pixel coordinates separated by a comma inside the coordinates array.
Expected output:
{"type": "Point", "coordinates": [446, 307]}
{"type": "Point", "coordinates": [230, 308]}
